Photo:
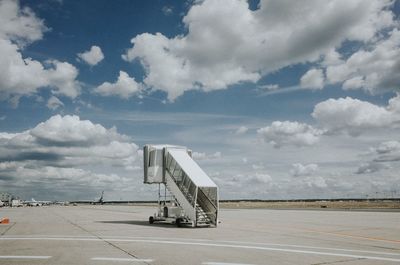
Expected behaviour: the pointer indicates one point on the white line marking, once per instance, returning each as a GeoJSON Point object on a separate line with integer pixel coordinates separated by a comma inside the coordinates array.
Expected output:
{"type": "Point", "coordinates": [223, 263]}
{"type": "Point", "coordinates": [211, 245]}
{"type": "Point", "coordinates": [264, 244]}
{"type": "Point", "coordinates": [25, 257]}
{"type": "Point", "coordinates": [261, 248]}
{"type": "Point", "coordinates": [93, 238]}
{"type": "Point", "coordinates": [121, 259]}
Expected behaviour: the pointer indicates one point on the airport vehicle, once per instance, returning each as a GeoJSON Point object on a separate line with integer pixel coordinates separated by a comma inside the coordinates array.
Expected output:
{"type": "Point", "coordinates": [16, 203]}
{"type": "Point", "coordinates": [189, 197]}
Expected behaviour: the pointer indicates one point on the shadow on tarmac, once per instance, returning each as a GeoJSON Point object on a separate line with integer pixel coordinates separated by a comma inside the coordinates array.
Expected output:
{"type": "Point", "coordinates": [144, 223]}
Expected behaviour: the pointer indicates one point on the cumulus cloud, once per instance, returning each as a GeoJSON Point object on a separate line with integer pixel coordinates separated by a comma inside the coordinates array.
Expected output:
{"type": "Point", "coordinates": [354, 116]}
{"type": "Point", "coordinates": [19, 25]}
{"type": "Point", "coordinates": [204, 156]}
{"type": "Point", "coordinates": [290, 133]}
{"type": "Point", "coordinates": [24, 76]}
{"type": "Point", "coordinates": [269, 87]}
{"type": "Point", "coordinates": [303, 170]}
{"type": "Point", "coordinates": [316, 182]}
{"type": "Point", "coordinates": [370, 167]}
{"type": "Point", "coordinates": [67, 141]}
{"type": "Point", "coordinates": [71, 131]}
{"type": "Point", "coordinates": [124, 87]}
{"type": "Point", "coordinates": [92, 56]}
{"type": "Point", "coordinates": [313, 79]}
{"type": "Point", "coordinates": [167, 10]}
{"type": "Point", "coordinates": [388, 151]}
{"type": "Point", "coordinates": [241, 130]}
{"type": "Point", "coordinates": [228, 43]}
{"type": "Point", "coordinates": [374, 70]}
{"type": "Point", "coordinates": [257, 166]}
{"type": "Point", "coordinates": [66, 151]}
{"type": "Point", "coordinates": [388, 147]}
{"type": "Point", "coordinates": [54, 103]}
{"type": "Point", "coordinates": [257, 181]}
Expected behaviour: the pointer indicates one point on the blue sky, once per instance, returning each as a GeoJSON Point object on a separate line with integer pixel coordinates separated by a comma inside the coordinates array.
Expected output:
{"type": "Point", "coordinates": [283, 99]}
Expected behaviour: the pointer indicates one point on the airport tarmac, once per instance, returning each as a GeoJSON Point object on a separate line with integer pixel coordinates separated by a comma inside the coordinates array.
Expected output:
{"type": "Point", "coordinates": [121, 235]}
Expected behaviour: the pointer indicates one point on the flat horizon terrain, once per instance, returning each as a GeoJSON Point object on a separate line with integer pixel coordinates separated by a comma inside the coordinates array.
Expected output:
{"type": "Point", "coordinates": [109, 234]}
{"type": "Point", "coordinates": [392, 205]}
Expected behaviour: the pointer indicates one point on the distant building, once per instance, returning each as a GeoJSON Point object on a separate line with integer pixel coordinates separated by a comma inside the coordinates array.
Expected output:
{"type": "Point", "coordinates": [5, 197]}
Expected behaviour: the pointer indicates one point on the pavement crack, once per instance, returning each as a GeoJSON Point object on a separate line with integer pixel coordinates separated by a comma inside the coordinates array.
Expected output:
{"type": "Point", "coordinates": [2, 234]}
{"type": "Point", "coordinates": [99, 237]}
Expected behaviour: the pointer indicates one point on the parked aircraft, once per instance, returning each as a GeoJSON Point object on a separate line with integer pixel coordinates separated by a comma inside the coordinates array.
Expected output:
{"type": "Point", "coordinates": [100, 201]}
{"type": "Point", "coordinates": [34, 202]}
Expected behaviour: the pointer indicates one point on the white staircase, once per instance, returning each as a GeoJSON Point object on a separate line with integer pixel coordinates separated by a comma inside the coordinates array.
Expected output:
{"type": "Point", "coordinates": [186, 181]}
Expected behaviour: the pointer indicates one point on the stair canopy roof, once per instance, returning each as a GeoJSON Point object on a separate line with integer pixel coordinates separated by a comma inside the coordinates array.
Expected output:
{"type": "Point", "coordinates": [191, 168]}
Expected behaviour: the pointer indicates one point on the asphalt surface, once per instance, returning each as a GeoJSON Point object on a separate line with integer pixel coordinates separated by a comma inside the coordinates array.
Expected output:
{"type": "Point", "coordinates": [122, 235]}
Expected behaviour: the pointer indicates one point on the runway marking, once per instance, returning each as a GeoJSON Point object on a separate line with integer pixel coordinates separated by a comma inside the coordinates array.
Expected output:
{"type": "Point", "coordinates": [25, 257]}
{"type": "Point", "coordinates": [354, 236]}
{"type": "Point", "coordinates": [269, 244]}
{"type": "Point", "coordinates": [121, 259]}
{"type": "Point", "coordinates": [223, 263]}
{"type": "Point", "coordinates": [212, 245]}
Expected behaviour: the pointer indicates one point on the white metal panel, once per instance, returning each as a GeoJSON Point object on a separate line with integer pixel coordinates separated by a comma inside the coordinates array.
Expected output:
{"type": "Point", "coordinates": [189, 210]}
{"type": "Point", "coordinates": [191, 168]}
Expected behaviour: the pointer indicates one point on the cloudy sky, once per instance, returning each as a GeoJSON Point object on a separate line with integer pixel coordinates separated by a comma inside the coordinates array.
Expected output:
{"type": "Point", "coordinates": [277, 99]}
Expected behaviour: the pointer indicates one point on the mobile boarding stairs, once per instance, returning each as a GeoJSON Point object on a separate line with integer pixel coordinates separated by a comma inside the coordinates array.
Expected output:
{"type": "Point", "coordinates": [190, 197]}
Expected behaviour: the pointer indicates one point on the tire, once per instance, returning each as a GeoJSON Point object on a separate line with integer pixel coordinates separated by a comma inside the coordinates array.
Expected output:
{"type": "Point", "coordinates": [165, 211]}
{"type": "Point", "coordinates": [151, 219]}
{"type": "Point", "coordinates": [178, 222]}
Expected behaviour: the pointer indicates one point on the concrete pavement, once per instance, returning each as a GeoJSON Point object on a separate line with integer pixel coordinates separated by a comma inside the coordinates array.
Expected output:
{"type": "Point", "coordinates": [121, 235]}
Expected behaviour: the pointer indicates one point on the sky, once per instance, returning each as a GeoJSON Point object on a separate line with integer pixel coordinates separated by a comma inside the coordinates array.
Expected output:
{"type": "Point", "coordinates": [277, 99]}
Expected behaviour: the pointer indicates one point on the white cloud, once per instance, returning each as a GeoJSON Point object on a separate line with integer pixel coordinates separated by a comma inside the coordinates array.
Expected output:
{"type": "Point", "coordinates": [388, 151]}
{"type": "Point", "coordinates": [204, 156]}
{"type": "Point", "coordinates": [290, 133]}
{"type": "Point", "coordinates": [167, 10]}
{"type": "Point", "coordinates": [54, 103]}
{"type": "Point", "coordinates": [19, 76]}
{"type": "Point", "coordinates": [313, 79]}
{"type": "Point", "coordinates": [355, 116]}
{"type": "Point", "coordinates": [373, 69]}
{"type": "Point", "coordinates": [388, 147]}
{"type": "Point", "coordinates": [316, 182]}
{"type": "Point", "coordinates": [228, 43]}
{"type": "Point", "coordinates": [257, 166]}
{"type": "Point", "coordinates": [92, 56]}
{"type": "Point", "coordinates": [256, 182]}
{"type": "Point", "coordinates": [270, 87]}
{"type": "Point", "coordinates": [332, 57]}
{"type": "Point", "coordinates": [259, 178]}
{"type": "Point", "coordinates": [62, 79]}
{"type": "Point", "coordinates": [66, 152]}
{"type": "Point", "coordinates": [24, 76]}
{"type": "Point", "coordinates": [19, 25]}
{"type": "Point", "coordinates": [124, 87]}
{"type": "Point", "coordinates": [241, 130]}
{"type": "Point", "coordinates": [370, 167]}
{"type": "Point", "coordinates": [303, 170]}
{"type": "Point", "coordinates": [71, 131]}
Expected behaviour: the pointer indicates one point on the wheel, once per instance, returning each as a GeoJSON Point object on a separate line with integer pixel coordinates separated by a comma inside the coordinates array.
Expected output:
{"type": "Point", "coordinates": [151, 219]}
{"type": "Point", "coordinates": [178, 222]}
{"type": "Point", "coordinates": [165, 211]}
